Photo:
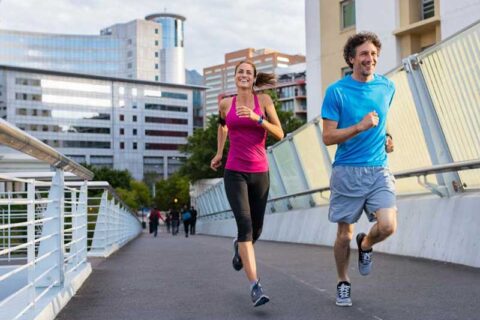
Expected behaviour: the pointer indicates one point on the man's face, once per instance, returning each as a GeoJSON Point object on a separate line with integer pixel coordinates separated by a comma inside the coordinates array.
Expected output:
{"type": "Point", "coordinates": [365, 59]}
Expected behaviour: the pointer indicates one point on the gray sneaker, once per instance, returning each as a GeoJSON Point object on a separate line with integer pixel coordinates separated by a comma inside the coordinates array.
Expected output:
{"type": "Point", "coordinates": [258, 296]}
{"type": "Point", "coordinates": [364, 256]}
{"type": "Point", "coordinates": [343, 294]}
{"type": "Point", "coordinates": [236, 260]}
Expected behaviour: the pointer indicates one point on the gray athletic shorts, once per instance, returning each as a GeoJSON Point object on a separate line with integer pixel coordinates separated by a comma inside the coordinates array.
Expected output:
{"type": "Point", "coordinates": [358, 189]}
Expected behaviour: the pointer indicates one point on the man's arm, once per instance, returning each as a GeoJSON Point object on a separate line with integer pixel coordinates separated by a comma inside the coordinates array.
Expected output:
{"type": "Point", "coordinates": [332, 135]}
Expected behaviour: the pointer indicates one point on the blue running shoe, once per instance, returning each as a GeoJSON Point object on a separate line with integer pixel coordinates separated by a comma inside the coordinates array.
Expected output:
{"type": "Point", "coordinates": [343, 294]}
{"type": "Point", "coordinates": [364, 257]}
{"type": "Point", "coordinates": [258, 296]}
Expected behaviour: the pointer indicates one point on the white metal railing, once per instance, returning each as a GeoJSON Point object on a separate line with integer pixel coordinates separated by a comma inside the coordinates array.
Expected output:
{"type": "Point", "coordinates": [43, 240]}
{"type": "Point", "coordinates": [48, 227]}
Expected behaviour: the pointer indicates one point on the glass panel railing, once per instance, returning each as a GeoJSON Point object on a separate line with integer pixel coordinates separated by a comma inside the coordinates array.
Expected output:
{"type": "Point", "coordinates": [290, 172]}
{"type": "Point", "coordinates": [411, 150]}
{"type": "Point", "coordinates": [452, 75]}
{"type": "Point", "coordinates": [311, 155]}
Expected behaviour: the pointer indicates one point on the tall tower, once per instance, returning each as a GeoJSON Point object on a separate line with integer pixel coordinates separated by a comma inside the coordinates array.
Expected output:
{"type": "Point", "coordinates": [172, 60]}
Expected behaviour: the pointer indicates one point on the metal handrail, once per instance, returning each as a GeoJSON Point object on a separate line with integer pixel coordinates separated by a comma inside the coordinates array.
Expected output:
{"type": "Point", "coordinates": [419, 172]}
{"type": "Point", "coordinates": [17, 139]}
{"type": "Point", "coordinates": [105, 186]}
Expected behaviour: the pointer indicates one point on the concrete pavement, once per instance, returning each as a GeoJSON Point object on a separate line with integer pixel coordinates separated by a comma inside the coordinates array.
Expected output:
{"type": "Point", "coordinates": [192, 278]}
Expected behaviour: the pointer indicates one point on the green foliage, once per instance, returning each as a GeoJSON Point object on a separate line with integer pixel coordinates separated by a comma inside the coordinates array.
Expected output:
{"type": "Point", "coordinates": [134, 193]}
{"type": "Point", "coordinates": [116, 178]}
{"type": "Point", "coordinates": [176, 187]}
{"type": "Point", "coordinates": [201, 147]}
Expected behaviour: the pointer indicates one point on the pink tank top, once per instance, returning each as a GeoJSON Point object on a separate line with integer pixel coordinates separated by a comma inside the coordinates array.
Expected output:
{"type": "Point", "coordinates": [247, 142]}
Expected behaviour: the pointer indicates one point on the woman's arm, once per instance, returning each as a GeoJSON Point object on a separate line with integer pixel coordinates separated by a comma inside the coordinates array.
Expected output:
{"type": "Point", "coordinates": [271, 124]}
{"type": "Point", "coordinates": [222, 133]}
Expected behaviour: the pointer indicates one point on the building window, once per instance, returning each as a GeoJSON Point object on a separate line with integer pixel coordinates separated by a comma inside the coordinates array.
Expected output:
{"type": "Point", "coordinates": [156, 31]}
{"type": "Point", "coordinates": [129, 54]}
{"type": "Point", "coordinates": [122, 117]}
{"type": "Point", "coordinates": [129, 41]}
{"type": "Point", "coordinates": [134, 146]}
{"type": "Point", "coordinates": [134, 118]}
{"type": "Point", "coordinates": [345, 71]}
{"type": "Point", "coordinates": [156, 78]}
{"type": "Point", "coordinates": [156, 65]}
{"type": "Point", "coordinates": [156, 42]}
{"type": "Point", "coordinates": [156, 54]}
{"type": "Point", "coordinates": [347, 9]}
{"type": "Point", "coordinates": [122, 131]}
{"type": "Point", "coordinates": [134, 132]}
{"type": "Point", "coordinates": [122, 145]}
{"type": "Point", "coordinates": [129, 65]}
{"type": "Point", "coordinates": [428, 9]}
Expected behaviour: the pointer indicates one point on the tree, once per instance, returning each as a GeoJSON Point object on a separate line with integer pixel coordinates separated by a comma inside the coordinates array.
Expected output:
{"type": "Point", "coordinates": [176, 187]}
{"type": "Point", "coordinates": [201, 147]}
{"type": "Point", "coordinates": [137, 196]}
{"type": "Point", "coordinates": [116, 178]}
{"type": "Point", "coordinates": [134, 193]}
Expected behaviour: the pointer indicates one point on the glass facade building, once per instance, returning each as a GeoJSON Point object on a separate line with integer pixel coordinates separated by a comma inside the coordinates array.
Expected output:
{"type": "Point", "coordinates": [172, 63]}
{"type": "Point", "coordinates": [101, 55]}
{"type": "Point", "coordinates": [104, 121]}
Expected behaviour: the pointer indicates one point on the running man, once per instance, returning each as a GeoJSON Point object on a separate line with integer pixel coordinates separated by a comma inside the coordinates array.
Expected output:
{"type": "Point", "coordinates": [354, 114]}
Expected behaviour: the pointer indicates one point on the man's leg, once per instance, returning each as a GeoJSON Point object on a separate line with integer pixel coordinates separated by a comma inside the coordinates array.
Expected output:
{"type": "Point", "coordinates": [341, 249]}
{"type": "Point", "coordinates": [386, 225]}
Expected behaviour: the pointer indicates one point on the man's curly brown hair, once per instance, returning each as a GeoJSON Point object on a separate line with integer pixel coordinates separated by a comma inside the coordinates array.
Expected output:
{"type": "Point", "coordinates": [356, 40]}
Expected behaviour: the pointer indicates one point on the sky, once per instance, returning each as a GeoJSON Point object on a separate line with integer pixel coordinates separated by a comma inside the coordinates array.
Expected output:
{"type": "Point", "coordinates": [212, 27]}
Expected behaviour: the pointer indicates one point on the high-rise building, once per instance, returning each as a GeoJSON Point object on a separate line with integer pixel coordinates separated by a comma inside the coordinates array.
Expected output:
{"type": "Point", "coordinates": [104, 121]}
{"type": "Point", "coordinates": [150, 49]}
{"type": "Point", "coordinates": [172, 54]}
{"type": "Point", "coordinates": [291, 89]}
{"type": "Point", "coordinates": [220, 78]}
{"type": "Point", "coordinates": [405, 27]}
{"type": "Point", "coordinates": [116, 99]}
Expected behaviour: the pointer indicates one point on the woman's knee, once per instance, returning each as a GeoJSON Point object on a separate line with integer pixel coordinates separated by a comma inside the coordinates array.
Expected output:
{"type": "Point", "coordinates": [256, 234]}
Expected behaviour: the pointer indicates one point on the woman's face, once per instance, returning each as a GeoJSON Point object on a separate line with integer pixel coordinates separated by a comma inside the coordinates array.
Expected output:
{"type": "Point", "coordinates": [244, 77]}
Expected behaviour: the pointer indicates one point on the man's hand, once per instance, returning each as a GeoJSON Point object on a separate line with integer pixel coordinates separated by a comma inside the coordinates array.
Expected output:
{"type": "Point", "coordinates": [369, 121]}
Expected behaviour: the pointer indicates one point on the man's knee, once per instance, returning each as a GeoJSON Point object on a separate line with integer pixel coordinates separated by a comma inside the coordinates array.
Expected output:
{"type": "Point", "coordinates": [344, 236]}
{"type": "Point", "coordinates": [387, 229]}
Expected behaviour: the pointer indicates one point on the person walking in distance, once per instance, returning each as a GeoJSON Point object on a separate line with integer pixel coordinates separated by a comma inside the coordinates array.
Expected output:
{"type": "Point", "coordinates": [193, 221]}
{"type": "Point", "coordinates": [246, 119]}
{"type": "Point", "coordinates": [354, 114]}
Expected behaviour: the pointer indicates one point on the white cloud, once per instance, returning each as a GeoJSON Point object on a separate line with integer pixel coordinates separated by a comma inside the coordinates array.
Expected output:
{"type": "Point", "coordinates": [212, 28]}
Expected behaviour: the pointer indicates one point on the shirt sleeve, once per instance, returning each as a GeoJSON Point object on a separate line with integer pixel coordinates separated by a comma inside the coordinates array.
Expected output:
{"type": "Point", "coordinates": [331, 106]}
{"type": "Point", "coordinates": [392, 86]}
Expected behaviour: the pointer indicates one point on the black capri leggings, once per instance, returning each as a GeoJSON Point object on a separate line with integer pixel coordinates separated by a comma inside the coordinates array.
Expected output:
{"type": "Point", "coordinates": [247, 194]}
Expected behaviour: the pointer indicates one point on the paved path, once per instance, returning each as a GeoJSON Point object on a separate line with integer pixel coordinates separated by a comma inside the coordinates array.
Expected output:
{"type": "Point", "coordinates": [192, 278]}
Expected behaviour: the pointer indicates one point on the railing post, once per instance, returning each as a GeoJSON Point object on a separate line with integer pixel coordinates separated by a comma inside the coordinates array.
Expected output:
{"type": "Point", "coordinates": [31, 239]}
{"type": "Point", "coordinates": [83, 221]}
{"type": "Point", "coordinates": [432, 129]}
{"type": "Point", "coordinates": [100, 234]}
{"type": "Point", "coordinates": [55, 244]}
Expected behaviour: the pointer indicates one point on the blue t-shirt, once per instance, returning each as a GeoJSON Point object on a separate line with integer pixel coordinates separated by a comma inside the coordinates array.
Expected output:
{"type": "Point", "coordinates": [347, 101]}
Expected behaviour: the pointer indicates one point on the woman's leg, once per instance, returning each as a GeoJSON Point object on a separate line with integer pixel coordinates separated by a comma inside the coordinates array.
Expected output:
{"type": "Point", "coordinates": [237, 194]}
